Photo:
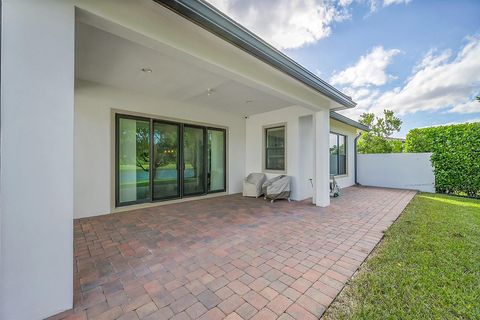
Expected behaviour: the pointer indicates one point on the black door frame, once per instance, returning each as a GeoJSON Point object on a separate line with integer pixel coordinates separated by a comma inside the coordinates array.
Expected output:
{"type": "Point", "coordinates": [180, 159]}
{"type": "Point", "coordinates": [152, 155]}
{"type": "Point", "coordinates": [205, 146]}
{"type": "Point", "coordinates": [224, 158]}
{"type": "Point", "coordinates": [117, 164]}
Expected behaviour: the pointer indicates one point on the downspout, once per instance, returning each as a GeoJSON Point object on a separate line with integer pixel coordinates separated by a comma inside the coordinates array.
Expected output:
{"type": "Point", "coordinates": [355, 155]}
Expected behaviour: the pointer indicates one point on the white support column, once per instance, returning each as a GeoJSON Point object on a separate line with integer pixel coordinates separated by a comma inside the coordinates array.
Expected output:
{"type": "Point", "coordinates": [36, 172]}
{"type": "Point", "coordinates": [321, 195]}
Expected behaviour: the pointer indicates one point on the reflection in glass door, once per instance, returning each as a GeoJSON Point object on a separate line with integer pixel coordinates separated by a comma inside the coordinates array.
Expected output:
{"type": "Point", "coordinates": [193, 160]}
{"type": "Point", "coordinates": [216, 160]}
{"type": "Point", "coordinates": [133, 160]}
{"type": "Point", "coordinates": [159, 160]}
{"type": "Point", "coordinates": [165, 169]}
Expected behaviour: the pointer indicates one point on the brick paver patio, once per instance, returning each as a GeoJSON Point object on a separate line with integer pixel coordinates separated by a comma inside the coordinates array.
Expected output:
{"type": "Point", "coordinates": [228, 257]}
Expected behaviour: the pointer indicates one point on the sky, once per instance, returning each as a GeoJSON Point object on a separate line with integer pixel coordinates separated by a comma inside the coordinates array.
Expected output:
{"type": "Point", "coordinates": [419, 58]}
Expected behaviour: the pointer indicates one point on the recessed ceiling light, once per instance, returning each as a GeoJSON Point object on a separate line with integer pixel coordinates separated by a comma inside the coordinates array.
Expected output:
{"type": "Point", "coordinates": [147, 70]}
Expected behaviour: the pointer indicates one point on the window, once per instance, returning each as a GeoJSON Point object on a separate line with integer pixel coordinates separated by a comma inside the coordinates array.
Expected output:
{"type": "Point", "coordinates": [160, 160]}
{"type": "Point", "coordinates": [338, 154]}
{"type": "Point", "coordinates": [275, 148]}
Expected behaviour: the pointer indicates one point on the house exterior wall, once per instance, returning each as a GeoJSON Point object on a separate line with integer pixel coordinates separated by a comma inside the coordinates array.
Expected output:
{"type": "Point", "coordinates": [36, 177]}
{"type": "Point", "coordinates": [255, 125]}
{"type": "Point", "coordinates": [306, 157]}
{"type": "Point", "coordinates": [56, 159]}
{"type": "Point", "coordinates": [300, 146]}
{"type": "Point", "coordinates": [95, 105]}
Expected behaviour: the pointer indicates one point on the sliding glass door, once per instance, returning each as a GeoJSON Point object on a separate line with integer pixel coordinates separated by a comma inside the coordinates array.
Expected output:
{"type": "Point", "coordinates": [216, 160]}
{"type": "Point", "coordinates": [166, 164]}
{"type": "Point", "coordinates": [159, 160]}
{"type": "Point", "coordinates": [193, 160]}
{"type": "Point", "coordinates": [133, 160]}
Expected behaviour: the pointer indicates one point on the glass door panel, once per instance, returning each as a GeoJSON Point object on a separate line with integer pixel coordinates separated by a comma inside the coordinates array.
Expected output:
{"type": "Point", "coordinates": [216, 160]}
{"type": "Point", "coordinates": [193, 160]}
{"type": "Point", "coordinates": [333, 154]}
{"type": "Point", "coordinates": [158, 160]}
{"type": "Point", "coordinates": [342, 152]}
{"type": "Point", "coordinates": [165, 169]}
{"type": "Point", "coordinates": [133, 162]}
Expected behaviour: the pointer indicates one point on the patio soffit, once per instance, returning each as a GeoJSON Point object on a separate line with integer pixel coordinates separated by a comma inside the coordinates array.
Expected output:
{"type": "Point", "coordinates": [113, 45]}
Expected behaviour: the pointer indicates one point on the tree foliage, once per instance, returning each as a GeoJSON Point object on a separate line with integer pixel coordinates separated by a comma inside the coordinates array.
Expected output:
{"type": "Point", "coordinates": [165, 146]}
{"type": "Point", "coordinates": [396, 145]}
{"type": "Point", "coordinates": [455, 156]}
{"type": "Point", "coordinates": [376, 141]}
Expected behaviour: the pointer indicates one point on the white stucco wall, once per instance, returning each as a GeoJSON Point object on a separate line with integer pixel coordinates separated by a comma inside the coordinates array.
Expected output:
{"type": "Point", "coordinates": [397, 170]}
{"type": "Point", "coordinates": [301, 186]}
{"type": "Point", "coordinates": [94, 138]}
{"type": "Point", "coordinates": [300, 147]}
{"type": "Point", "coordinates": [348, 179]}
{"type": "Point", "coordinates": [36, 177]}
{"type": "Point", "coordinates": [57, 159]}
{"type": "Point", "coordinates": [306, 156]}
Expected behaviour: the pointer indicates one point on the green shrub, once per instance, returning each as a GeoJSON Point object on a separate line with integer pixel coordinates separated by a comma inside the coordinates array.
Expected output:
{"type": "Point", "coordinates": [455, 156]}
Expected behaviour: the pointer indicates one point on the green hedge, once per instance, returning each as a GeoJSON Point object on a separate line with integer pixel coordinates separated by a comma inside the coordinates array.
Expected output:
{"type": "Point", "coordinates": [456, 156]}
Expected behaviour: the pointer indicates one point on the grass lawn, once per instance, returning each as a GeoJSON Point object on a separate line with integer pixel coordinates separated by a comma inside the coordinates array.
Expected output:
{"type": "Point", "coordinates": [426, 267]}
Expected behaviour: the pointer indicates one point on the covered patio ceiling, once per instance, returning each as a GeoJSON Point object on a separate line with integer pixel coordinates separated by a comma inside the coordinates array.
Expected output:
{"type": "Point", "coordinates": [106, 58]}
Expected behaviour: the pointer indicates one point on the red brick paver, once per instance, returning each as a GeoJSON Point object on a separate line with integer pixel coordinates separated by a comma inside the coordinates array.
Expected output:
{"type": "Point", "coordinates": [227, 257]}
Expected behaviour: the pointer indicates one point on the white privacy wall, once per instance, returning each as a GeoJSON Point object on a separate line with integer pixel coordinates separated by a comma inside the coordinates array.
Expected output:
{"type": "Point", "coordinates": [36, 177]}
{"type": "Point", "coordinates": [397, 170]}
{"type": "Point", "coordinates": [94, 140]}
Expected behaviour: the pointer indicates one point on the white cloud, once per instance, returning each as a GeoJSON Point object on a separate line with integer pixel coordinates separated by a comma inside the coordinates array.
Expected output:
{"type": "Point", "coordinates": [345, 3]}
{"type": "Point", "coordinates": [390, 2]}
{"type": "Point", "coordinates": [431, 61]}
{"type": "Point", "coordinates": [453, 122]}
{"type": "Point", "coordinates": [374, 4]}
{"type": "Point", "coordinates": [370, 69]}
{"type": "Point", "coordinates": [286, 24]}
{"type": "Point", "coordinates": [472, 106]}
{"type": "Point", "coordinates": [438, 82]}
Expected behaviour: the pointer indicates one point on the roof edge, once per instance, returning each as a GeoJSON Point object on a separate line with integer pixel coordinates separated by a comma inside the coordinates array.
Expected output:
{"type": "Point", "coordinates": [348, 121]}
{"type": "Point", "coordinates": [214, 21]}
